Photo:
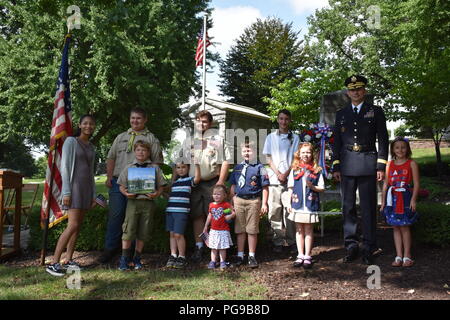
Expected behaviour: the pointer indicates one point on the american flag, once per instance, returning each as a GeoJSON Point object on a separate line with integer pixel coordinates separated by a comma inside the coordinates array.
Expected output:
{"type": "Point", "coordinates": [199, 53]}
{"type": "Point", "coordinates": [61, 128]}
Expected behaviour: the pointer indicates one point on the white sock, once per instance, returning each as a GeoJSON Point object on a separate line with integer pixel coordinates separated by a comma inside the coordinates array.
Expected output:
{"type": "Point", "coordinates": [251, 254]}
{"type": "Point", "coordinates": [174, 255]}
{"type": "Point", "coordinates": [199, 244]}
{"type": "Point", "coordinates": [241, 254]}
{"type": "Point", "coordinates": [182, 257]}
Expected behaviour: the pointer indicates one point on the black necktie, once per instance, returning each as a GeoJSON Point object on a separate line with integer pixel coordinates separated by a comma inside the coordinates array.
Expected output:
{"type": "Point", "coordinates": [355, 110]}
{"type": "Point", "coordinates": [138, 165]}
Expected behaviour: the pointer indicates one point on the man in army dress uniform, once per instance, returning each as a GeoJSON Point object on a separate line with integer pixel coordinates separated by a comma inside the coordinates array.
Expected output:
{"type": "Point", "coordinates": [358, 164]}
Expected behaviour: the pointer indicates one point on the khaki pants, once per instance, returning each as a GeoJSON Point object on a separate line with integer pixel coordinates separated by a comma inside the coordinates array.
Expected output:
{"type": "Point", "coordinates": [247, 215]}
{"type": "Point", "coordinates": [283, 229]}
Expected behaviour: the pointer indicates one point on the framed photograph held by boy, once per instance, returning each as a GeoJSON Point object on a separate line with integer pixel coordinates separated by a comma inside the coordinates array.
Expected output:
{"type": "Point", "coordinates": [141, 180]}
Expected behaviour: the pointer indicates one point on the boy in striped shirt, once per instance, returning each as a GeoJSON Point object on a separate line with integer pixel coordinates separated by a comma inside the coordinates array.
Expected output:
{"type": "Point", "coordinates": [177, 211]}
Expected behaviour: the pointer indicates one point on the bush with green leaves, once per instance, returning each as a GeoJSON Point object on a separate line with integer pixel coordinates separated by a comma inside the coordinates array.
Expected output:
{"type": "Point", "coordinates": [92, 234]}
{"type": "Point", "coordinates": [433, 226]}
{"type": "Point", "coordinates": [331, 222]}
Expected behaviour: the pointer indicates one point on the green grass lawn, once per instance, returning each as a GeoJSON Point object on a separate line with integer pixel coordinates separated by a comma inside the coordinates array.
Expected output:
{"type": "Point", "coordinates": [428, 155]}
{"type": "Point", "coordinates": [109, 284]}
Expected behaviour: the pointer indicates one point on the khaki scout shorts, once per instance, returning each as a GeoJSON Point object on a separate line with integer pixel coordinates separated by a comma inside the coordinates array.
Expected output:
{"type": "Point", "coordinates": [201, 197]}
{"type": "Point", "coordinates": [138, 219]}
{"type": "Point", "coordinates": [247, 215]}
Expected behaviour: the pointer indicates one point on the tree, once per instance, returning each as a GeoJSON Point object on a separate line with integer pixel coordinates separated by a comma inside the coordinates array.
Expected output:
{"type": "Point", "coordinates": [127, 53]}
{"type": "Point", "coordinates": [403, 48]}
{"type": "Point", "coordinates": [267, 53]}
{"type": "Point", "coordinates": [15, 155]}
{"type": "Point", "coordinates": [303, 98]}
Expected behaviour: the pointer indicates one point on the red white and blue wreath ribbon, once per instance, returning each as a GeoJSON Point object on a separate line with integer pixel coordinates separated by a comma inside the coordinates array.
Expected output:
{"type": "Point", "coordinates": [323, 132]}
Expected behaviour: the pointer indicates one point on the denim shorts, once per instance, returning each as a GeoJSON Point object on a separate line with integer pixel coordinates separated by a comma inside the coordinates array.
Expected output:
{"type": "Point", "coordinates": [176, 222]}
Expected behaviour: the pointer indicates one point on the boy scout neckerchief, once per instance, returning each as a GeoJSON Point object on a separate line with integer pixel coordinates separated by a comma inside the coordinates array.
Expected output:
{"type": "Point", "coordinates": [133, 136]}
{"type": "Point", "coordinates": [241, 181]}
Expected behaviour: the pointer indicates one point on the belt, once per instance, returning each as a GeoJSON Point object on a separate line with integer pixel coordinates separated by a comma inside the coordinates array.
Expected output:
{"type": "Point", "coordinates": [359, 148]}
{"type": "Point", "coordinates": [249, 196]}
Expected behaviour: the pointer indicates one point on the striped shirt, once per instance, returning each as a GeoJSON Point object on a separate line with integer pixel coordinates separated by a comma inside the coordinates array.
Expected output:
{"type": "Point", "coordinates": [180, 196]}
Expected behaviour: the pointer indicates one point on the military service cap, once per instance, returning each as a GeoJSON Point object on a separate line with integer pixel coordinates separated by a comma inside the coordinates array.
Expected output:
{"type": "Point", "coordinates": [355, 82]}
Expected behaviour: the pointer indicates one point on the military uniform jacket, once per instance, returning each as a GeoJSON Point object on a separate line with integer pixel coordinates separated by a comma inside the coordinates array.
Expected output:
{"type": "Point", "coordinates": [352, 132]}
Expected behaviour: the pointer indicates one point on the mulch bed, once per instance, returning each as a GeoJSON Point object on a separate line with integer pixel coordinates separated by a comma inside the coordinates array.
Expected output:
{"type": "Point", "coordinates": [329, 278]}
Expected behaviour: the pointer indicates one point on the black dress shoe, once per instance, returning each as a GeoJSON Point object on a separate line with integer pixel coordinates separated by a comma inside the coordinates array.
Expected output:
{"type": "Point", "coordinates": [351, 256]}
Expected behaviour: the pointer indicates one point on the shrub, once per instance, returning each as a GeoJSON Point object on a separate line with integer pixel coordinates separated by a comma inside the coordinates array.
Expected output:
{"type": "Point", "coordinates": [332, 222]}
{"type": "Point", "coordinates": [433, 226]}
{"type": "Point", "coordinates": [92, 234]}
{"type": "Point", "coordinates": [429, 169]}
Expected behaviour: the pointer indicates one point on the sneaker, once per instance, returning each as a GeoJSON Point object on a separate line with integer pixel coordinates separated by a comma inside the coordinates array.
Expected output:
{"type": "Point", "coordinates": [71, 264]}
{"type": "Point", "coordinates": [180, 263]}
{"type": "Point", "coordinates": [223, 265]}
{"type": "Point", "coordinates": [171, 262]}
{"type": "Point", "coordinates": [55, 270]}
{"type": "Point", "coordinates": [252, 263]}
{"type": "Point", "coordinates": [137, 263]}
{"type": "Point", "coordinates": [212, 265]}
{"type": "Point", "coordinates": [198, 254]}
{"type": "Point", "coordinates": [123, 263]}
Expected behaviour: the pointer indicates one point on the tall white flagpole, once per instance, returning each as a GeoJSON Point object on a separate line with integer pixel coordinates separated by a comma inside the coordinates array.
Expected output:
{"type": "Point", "coordinates": [204, 64]}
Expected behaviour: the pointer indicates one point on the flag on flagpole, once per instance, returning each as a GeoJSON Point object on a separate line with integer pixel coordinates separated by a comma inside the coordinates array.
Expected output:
{"type": "Point", "coordinates": [200, 48]}
{"type": "Point", "coordinates": [61, 128]}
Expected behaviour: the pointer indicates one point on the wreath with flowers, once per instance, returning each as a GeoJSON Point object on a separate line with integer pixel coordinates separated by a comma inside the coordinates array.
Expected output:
{"type": "Point", "coordinates": [321, 136]}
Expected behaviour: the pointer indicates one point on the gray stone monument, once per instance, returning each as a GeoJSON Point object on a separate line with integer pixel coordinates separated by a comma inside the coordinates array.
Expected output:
{"type": "Point", "coordinates": [334, 101]}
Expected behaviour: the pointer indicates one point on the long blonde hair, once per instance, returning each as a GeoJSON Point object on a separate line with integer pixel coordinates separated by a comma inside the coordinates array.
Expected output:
{"type": "Point", "coordinates": [298, 162]}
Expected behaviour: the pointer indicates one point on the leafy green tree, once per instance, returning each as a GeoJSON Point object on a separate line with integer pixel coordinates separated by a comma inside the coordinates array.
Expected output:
{"type": "Point", "coordinates": [126, 54]}
{"type": "Point", "coordinates": [303, 99]}
{"type": "Point", "coordinates": [15, 155]}
{"type": "Point", "coordinates": [402, 47]}
{"type": "Point", "coordinates": [266, 54]}
{"type": "Point", "coordinates": [41, 165]}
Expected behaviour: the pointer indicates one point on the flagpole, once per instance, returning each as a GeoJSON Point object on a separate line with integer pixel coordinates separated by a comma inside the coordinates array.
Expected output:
{"type": "Point", "coordinates": [47, 209]}
{"type": "Point", "coordinates": [204, 63]}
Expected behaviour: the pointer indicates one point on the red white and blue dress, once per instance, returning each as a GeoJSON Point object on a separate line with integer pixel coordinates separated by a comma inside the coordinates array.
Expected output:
{"type": "Point", "coordinates": [397, 210]}
{"type": "Point", "coordinates": [219, 234]}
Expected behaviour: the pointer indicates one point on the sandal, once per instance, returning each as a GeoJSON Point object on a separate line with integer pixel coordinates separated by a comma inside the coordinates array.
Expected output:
{"type": "Point", "coordinates": [407, 262]}
{"type": "Point", "coordinates": [307, 262]}
{"type": "Point", "coordinates": [398, 262]}
{"type": "Point", "coordinates": [298, 262]}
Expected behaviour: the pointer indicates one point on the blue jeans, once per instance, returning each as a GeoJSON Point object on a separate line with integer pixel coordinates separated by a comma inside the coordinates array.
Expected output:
{"type": "Point", "coordinates": [116, 216]}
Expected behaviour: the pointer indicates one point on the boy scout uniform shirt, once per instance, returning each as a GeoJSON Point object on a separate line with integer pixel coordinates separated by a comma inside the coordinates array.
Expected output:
{"type": "Point", "coordinates": [354, 150]}
{"type": "Point", "coordinates": [255, 179]}
{"type": "Point", "coordinates": [210, 158]}
{"type": "Point", "coordinates": [123, 155]}
{"type": "Point", "coordinates": [159, 180]}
